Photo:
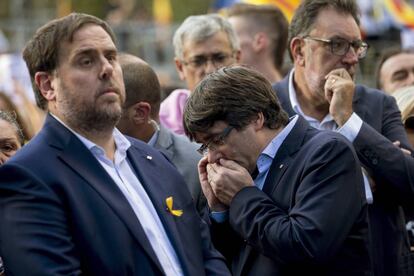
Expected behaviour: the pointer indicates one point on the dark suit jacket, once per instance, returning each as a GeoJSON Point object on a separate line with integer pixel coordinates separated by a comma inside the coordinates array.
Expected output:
{"type": "Point", "coordinates": [62, 214]}
{"type": "Point", "coordinates": [310, 218]}
{"type": "Point", "coordinates": [183, 154]}
{"type": "Point", "coordinates": [391, 169]}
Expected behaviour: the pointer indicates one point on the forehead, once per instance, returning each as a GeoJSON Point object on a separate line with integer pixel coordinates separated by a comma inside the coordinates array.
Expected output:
{"type": "Point", "coordinates": [330, 22]}
{"type": "Point", "coordinates": [206, 135]}
{"type": "Point", "coordinates": [8, 131]}
{"type": "Point", "coordinates": [88, 37]}
{"type": "Point", "coordinates": [216, 43]}
{"type": "Point", "coordinates": [398, 62]}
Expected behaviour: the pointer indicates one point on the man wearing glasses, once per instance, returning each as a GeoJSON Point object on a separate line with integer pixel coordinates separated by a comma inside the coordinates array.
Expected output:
{"type": "Point", "coordinates": [286, 199]}
{"type": "Point", "coordinates": [202, 44]}
{"type": "Point", "coordinates": [325, 46]}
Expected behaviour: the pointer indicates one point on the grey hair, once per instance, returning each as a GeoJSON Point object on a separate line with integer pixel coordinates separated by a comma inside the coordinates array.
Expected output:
{"type": "Point", "coordinates": [198, 28]}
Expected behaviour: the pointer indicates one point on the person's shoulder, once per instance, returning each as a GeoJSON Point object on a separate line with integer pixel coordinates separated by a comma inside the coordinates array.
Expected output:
{"type": "Point", "coordinates": [178, 95]}
{"type": "Point", "coordinates": [371, 93]}
{"type": "Point", "coordinates": [181, 144]}
{"type": "Point", "coordinates": [327, 138]}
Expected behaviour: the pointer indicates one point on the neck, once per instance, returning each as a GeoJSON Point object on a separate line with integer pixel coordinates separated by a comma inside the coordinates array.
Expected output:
{"type": "Point", "coordinates": [148, 131]}
{"type": "Point", "coordinates": [103, 138]}
{"type": "Point", "coordinates": [268, 136]}
{"type": "Point", "coordinates": [267, 69]}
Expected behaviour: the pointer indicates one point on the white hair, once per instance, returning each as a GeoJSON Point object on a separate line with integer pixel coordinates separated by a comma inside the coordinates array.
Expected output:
{"type": "Point", "coordinates": [199, 28]}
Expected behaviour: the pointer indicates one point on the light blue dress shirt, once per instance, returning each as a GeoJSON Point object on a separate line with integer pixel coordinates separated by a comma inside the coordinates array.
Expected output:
{"type": "Point", "coordinates": [263, 163]}
{"type": "Point", "coordinates": [350, 129]}
{"type": "Point", "coordinates": [124, 177]}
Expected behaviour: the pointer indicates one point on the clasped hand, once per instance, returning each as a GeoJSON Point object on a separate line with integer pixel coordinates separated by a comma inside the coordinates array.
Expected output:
{"type": "Point", "coordinates": [221, 181]}
{"type": "Point", "coordinates": [339, 92]}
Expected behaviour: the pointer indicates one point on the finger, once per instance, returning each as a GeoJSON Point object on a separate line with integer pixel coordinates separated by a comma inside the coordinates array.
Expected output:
{"type": "Point", "coordinates": [229, 164]}
{"type": "Point", "coordinates": [406, 151]}
{"type": "Point", "coordinates": [396, 143]}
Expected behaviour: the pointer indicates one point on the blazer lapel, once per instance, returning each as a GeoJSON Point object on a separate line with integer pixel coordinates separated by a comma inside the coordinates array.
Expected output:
{"type": "Point", "coordinates": [283, 157]}
{"type": "Point", "coordinates": [282, 92]}
{"type": "Point", "coordinates": [147, 172]}
{"type": "Point", "coordinates": [78, 157]}
{"type": "Point", "coordinates": [164, 143]}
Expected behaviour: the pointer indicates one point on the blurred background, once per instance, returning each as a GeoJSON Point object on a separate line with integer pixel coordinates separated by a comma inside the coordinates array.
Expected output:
{"type": "Point", "coordinates": [145, 28]}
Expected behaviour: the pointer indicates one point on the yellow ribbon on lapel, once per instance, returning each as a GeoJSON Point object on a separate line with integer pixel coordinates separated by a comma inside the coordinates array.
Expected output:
{"type": "Point", "coordinates": [170, 202]}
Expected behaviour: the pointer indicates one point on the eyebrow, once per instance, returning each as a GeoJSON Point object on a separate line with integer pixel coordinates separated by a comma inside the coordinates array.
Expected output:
{"type": "Point", "coordinates": [399, 72]}
{"type": "Point", "coordinates": [88, 51]}
{"type": "Point", "coordinates": [9, 140]}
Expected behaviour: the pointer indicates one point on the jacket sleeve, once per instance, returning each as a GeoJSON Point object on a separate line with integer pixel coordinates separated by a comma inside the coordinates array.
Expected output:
{"type": "Point", "coordinates": [392, 170]}
{"type": "Point", "coordinates": [327, 201]}
{"type": "Point", "coordinates": [35, 238]}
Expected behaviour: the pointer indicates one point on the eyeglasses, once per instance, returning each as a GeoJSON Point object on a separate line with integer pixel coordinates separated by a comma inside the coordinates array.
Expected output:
{"type": "Point", "coordinates": [217, 59]}
{"type": "Point", "coordinates": [340, 46]}
{"type": "Point", "coordinates": [216, 141]}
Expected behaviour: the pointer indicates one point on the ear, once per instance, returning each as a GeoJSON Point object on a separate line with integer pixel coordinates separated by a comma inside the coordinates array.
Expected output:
{"type": "Point", "coordinates": [260, 42]}
{"type": "Point", "coordinates": [297, 50]}
{"type": "Point", "coordinates": [237, 56]}
{"type": "Point", "coordinates": [141, 113]}
{"type": "Point", "coordinates": [44, 81]}
{"type": "Point", "coordinates": [180, 68]}
{"type": "Point", "coordinates": [259, 122]}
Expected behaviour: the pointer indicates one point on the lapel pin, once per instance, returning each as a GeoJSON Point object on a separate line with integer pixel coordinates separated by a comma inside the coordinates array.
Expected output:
{"type": "Point", "coordinates": [281, 166]}
{"type": "Point", "coordinates": [169, 201]}
{"type": "Point", "coordinates": [149, 157]}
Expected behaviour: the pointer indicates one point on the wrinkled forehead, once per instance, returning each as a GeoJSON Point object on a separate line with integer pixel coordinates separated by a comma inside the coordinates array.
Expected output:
{"type": "Point", "coordinates": [398, 62]}
{"type": "Point", "coordinates": [87, 38]}
{"type": "Point", "coordinates": [331, 22]}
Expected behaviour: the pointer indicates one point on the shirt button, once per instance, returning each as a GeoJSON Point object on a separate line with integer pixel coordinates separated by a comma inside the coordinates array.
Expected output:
{"type": "Point", "coordinates": [374, 161]}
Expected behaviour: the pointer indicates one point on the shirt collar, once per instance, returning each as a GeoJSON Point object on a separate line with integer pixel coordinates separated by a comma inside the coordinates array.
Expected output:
{"type": "Point", "coordinates": [274, 145]}
{"type": "Point", "coordinates": [121, 142]}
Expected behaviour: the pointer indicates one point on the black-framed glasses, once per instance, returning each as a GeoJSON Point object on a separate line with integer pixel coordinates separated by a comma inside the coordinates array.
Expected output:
{"type": "Point", "coordinates": [340, 46]}
{"type": "Point", "coordinates": [217, 59]}
{"type": "Point", "coordinates": [216, 141]}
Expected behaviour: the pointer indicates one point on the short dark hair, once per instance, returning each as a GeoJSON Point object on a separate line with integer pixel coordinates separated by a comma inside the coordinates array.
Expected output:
{"type": "Point", "coordinates": [308, 11]}
{"type": "Point", "coordinates": [271, 20]}
{"type": "Point", "coordinates": [233, 94]}
{"type": "Point", "coordinates": [11, 119]}
{"type": "Point", "coordinates": [141, 83]}
{"type": "Point", "coordinates": [41, 53]}
{"type": "Point", "coordinates": [387, 54]}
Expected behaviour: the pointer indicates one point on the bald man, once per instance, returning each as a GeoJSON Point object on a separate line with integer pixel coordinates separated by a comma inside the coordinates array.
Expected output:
{"type": "Point", "coordinates": [140, 120]}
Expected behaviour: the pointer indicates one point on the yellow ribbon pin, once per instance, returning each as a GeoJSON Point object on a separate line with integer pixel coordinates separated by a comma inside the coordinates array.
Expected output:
{"type": "Point", "coordinates": [169, 202]}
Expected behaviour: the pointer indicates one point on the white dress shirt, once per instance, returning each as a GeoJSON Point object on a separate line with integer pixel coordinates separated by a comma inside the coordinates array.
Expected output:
{"type": "Point", "coordinates": [129, 184]}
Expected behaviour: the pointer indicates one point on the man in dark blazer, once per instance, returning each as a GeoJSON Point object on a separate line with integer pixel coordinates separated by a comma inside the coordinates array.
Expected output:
{"type": "Point", "coordinates": [285, 198]}
{"type": "Point", "coordinates": [81, 198]}
{"type": "Point", "coordinates": [140, 119]}
{"type": "Point", "coordinates": [325, 44]}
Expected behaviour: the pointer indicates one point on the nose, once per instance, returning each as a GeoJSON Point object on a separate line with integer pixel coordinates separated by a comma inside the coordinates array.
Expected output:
{"type": "Point", "coordinates": [213, 156]}
{"type": "Point", "coordinates": [351, 57]}
{"type": "Point", "coordinates": [210, 67]}
{"type": "Point", "coordinates": [411, 77]}
{"type": "Point", "coordinates": [106, 70]}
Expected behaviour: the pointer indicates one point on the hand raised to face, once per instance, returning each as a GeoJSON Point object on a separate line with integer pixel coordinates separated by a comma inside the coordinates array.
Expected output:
{"type": "Point", "coordinates": [226, 178]}
{"type": "Point", "coordinates": [339, 92]}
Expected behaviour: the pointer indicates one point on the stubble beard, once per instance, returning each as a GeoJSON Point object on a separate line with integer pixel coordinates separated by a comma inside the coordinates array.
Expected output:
{"type": "Point", "coordinates": [87, 117]}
